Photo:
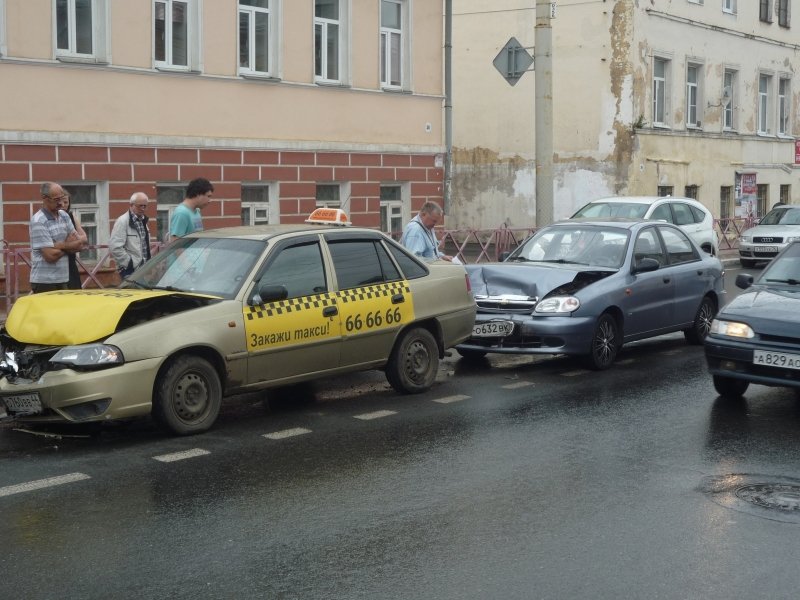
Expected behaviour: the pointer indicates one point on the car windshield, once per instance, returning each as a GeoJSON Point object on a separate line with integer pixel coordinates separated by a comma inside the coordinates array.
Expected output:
{"type": "Point", "coordinates": [784, 269]}
{"type": "Point", "coordinates": [214, 266]}
{"type": "Point", "coordinates": [575, 244]}
{"type": "Point", "coordinates": [781, 216]}
{"type": "Point", "coordinates": [625, 210]}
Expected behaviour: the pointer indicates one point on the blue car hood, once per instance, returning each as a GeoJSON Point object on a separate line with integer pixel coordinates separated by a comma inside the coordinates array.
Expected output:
{"type": "Point", "coordinates": [768, 311]}
{"type": "Point", "coordinates": [534, 280]}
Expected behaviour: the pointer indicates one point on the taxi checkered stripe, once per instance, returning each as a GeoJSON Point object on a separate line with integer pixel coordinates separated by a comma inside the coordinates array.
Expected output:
{"type": "Point", "coordinates": [374, 291]}
{"type": "Point", "coordinates": [291, 305]}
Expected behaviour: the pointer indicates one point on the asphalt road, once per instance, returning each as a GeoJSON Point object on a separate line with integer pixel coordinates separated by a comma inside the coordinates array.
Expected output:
{"type": "Point", "coordinates": [512, 478]}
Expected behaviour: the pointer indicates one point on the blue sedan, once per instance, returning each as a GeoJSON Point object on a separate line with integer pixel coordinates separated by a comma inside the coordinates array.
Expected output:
{"type": "Point", "coordinates": [756, 338]}
{"type": "Point", "coordinates": [584, 287]}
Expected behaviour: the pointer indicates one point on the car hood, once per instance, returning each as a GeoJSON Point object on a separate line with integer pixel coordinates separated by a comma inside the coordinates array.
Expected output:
{"type": "Point", "coordinates": [534, 280]}
{"type": "Point", "coordinates": [768, 311]}
{"type": "Point", "coordinates": [67, 317]}
{"type": "Point", "coordinates": [773, 231]}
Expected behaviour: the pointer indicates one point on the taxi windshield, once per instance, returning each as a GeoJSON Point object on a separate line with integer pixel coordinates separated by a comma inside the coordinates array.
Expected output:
{"type": "Point", "coordinates": [214, 266]}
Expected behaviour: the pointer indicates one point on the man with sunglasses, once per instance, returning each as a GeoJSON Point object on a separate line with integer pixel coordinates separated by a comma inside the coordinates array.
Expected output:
{"type": "Point", "coordinates": [52, 237]}
{"type": "Point", "coordinates": [130, 239]}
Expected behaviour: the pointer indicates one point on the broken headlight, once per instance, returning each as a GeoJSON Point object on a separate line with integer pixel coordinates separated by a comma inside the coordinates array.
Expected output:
{"type": "Point", "coordinates": [89, 355]}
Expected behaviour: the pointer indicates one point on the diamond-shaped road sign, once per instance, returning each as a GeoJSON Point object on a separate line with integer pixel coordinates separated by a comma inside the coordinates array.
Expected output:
{"type": "Point", "coordinates": [513, 61]}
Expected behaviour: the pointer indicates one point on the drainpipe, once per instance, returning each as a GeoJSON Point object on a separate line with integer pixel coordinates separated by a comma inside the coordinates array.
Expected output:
{"type": "Point", "coordinates": [448, 101]}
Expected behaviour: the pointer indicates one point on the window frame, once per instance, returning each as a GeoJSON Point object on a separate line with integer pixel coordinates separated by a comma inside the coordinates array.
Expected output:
{"type": "Point", "coordinates": [785, 193]}
{"type": "Point", "coordinates": [762, 198]}
{"type": "Point", "coordinates": [693, 94]}
{"type": "Point", "coordinates": [165, 208]}
{"type": "Point", "coordinates": [661, 90]}
{"type": "Point", "coordinates": [784, 12]}
{"type": "Point", "coordinates": [384, 48]}
{"type": "Point", "coordinates": [273, 33]}
{"type": "Point", "coordinates": [765, 103]}
{"type": "Point", "coordinates": [342, 23]}
{"type": "Point", "coordinates": [729, 6]}
{"type": "Point", "coordinates": [729, 110]}
{"type": "Point", "coordinates": [193, 37]}
{"type": "Point", "coordinates": [99, 28]}
{"type": "Point", "coordinates": [765, 11]}
{"type": "Point", "coordinates": [273, 216]}
{"type": "Point", "coordinates": [725, 197]}
{"type": "Point", "coordinates": [99, 210]}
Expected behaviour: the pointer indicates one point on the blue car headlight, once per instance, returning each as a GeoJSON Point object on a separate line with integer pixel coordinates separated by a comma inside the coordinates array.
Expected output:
{"type": "Point", "coordinates": [558, 304]}
{"type": "Point", "coordinates": [89, 355]}
{"type": "Point", "coordinates": [732, 329]}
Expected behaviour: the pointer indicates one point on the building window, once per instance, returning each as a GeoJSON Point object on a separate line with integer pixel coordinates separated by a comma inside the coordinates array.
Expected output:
{"type": "Point", "coordinates": [786, 193]}
{"type": "Point", "coordinates": [664, 190]}
{"type": "Point", "coordinates": [330, 31]}
{"type": "Point", "coordinates": [393, 41]}
{"type": "Point", "coordinates": [765, 10]}
{"type": "Point", "coordinates": [690, 191]}
{"type": "Point", "coordinates": [80, 27]}
{"type": "Point", "coordinates": [176, 31]}
{"type": "Point", "coordinates": [660, 73]}
{"type": "Point", "coordinates": [692, 95]}
{"type": "Point", "coordinates": [255, 36]}
{"type": "Point", "coordinates": [257, 206]}
{"type": "Point", "coordinates": [784, 97]}
{"type": "Point", "coordinates": [762, 195]}
{"type": "Point", "coordinates": [783, 13]}
{"type": "Point", "coordinates": [729, 6]}
{"type": "Point", "coordinates": [85, 203]}
{"type": "Point", "coordinates": [167, 198]}
{"type": "Point", "coordinates": [3, 27]}
{"type": "Point", "coordinates": [725, 195]}
{"type": "Point", "coordinates": [728, 97]}
{"type": "Point", "coordinates": [764, 85]}
{"type": "Point", "coordinates": [392, 209]}
{"type": "Point", "coordinates": [329, 195]}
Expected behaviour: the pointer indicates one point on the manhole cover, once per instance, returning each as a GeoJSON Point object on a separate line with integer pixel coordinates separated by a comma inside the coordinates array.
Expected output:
{"type": "Point", "coordinates": [769, 497]}
{"type": "Point", "coordinates": [780, 496]}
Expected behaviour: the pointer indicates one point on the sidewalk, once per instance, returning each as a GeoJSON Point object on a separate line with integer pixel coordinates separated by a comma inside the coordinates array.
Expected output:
{"type": "Point", "coordinates": [729, 258]}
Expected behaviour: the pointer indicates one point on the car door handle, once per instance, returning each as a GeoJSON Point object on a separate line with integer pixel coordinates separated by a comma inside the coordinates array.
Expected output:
{"type": "Point", "coordinates": [666, 279]}
{"type": "Point", "coordinates": [398, 298]}
{"type": "Point", "coordinates": [330, 311]}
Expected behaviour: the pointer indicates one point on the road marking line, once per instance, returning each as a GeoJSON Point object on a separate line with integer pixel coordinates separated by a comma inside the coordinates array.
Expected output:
{"type": "Point", "coordinates": [574, 373]}
{"type": "Point", "coordinates": [181, 455]}
{"type": "Point", "coordinates": [670, 352]}
{"type": "Point", "coordinates": [42, 483]}
{"type": "Point", "coordinates": [378, 414]}
{"type": "Point", "coordinates": [286, 433]}
{"type": "Point", "coordinates": [517, 385]}
{"type": "Point", "coordinates": [449, 399]}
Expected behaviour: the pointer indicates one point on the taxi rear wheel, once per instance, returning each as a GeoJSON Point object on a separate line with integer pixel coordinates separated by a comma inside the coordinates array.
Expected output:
{"type": "Point", "coordinates": [414, 361]}
{"type": "Point", "coordinates": [188, 396]}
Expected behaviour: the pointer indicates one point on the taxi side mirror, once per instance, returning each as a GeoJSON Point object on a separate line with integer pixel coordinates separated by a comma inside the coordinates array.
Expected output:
{"type": "Point", "coordinates": [744, 281]}
{"type": "Point", "coordinates": [270, 293]}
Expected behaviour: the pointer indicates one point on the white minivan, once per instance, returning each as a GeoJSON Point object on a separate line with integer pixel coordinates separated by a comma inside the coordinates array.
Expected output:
{"type": "Point", "coordinates": [688, 214]}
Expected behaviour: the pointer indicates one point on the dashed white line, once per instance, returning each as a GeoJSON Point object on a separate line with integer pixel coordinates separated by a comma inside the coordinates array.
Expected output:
{"type": "Point", "coordinates": [378, 414]}
{"type": "Point", "coordinates": [42, 483]}
{"type": "Point", "coordinates": [449, 399]}
{"type": "Point", "coordinates": [517, 385]}
{"type": "Point", "coordinates": [181, 455]}
{"type": "Point", "coordinates": [573, 373]}
{"type": "Point", "coordinates": [286, 433]}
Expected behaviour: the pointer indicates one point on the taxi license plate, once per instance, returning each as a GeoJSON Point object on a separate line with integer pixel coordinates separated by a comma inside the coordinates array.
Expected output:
{"type": "Point", "coordinates": [776, 359]}
{"type": "Point", "coordinates": [765, 249]}
{"type": "Point", "coordinates": [493, 329]}
{"type": "Point", "coordinates": [23, 403]}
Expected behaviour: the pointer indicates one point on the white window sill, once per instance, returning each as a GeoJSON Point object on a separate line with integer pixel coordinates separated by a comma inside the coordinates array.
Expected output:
{"type": "Point", "coordinates": [661, 126]}
{"type": "Point", "coordinates": [83, 59]}
{"type": "Point", "coordinates": [394, 90]}
{"type": "Point", "coordinates": [174, 69]}
{"type": "Point", "coordinates": [258, 76]}
{"type": "Point", "coordinates": [331, 83]}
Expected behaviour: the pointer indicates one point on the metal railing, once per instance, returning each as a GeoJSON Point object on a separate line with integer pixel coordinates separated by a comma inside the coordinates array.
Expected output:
{"type": "Point", "coordinates": [469, 245]}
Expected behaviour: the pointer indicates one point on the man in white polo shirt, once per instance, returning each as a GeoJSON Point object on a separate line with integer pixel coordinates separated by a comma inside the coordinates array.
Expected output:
{"type": "Point", "coordinates": [52, 237]}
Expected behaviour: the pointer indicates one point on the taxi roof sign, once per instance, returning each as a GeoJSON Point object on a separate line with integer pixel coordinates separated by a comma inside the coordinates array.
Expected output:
{"type": "Point", "coordinates": [329, 216]}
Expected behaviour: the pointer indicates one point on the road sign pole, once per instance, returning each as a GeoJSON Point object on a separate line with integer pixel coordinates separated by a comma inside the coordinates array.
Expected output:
{"type": "Point", "coordinates": [543, 58]}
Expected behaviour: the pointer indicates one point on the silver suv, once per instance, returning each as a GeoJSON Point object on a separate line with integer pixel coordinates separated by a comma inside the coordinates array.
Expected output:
{"type": "Point", "coordinates": [774, 232]}
{"type": "Point", "coordinates": [688, 214]}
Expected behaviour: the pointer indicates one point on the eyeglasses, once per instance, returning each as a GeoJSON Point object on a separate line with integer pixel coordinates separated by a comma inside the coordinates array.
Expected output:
{"type": "Point", "coordinates": [140, 205]}
{"type": "Point", "coordinates": [57, 197]}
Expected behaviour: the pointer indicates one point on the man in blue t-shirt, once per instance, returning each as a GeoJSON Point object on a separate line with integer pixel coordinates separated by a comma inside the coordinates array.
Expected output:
{"type": "Point", "coordinates": [186, 217]}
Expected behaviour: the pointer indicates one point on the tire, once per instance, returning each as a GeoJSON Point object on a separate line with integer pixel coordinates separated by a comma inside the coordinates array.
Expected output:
{"type": "Point", "coordinates": [606, 342]}
{"type": "Point", "coordinates": [728, 387]}
{"type": "Point", "coordinates": [414, 361]}
{"type": "Point", "coordinates": [471, 354]}
{"type": "Point", "coordinates": [706, 312]}
{"type": "Point", "coordinates": [188, 396]}
{"type": "Point", "coordinates": [747, 263]}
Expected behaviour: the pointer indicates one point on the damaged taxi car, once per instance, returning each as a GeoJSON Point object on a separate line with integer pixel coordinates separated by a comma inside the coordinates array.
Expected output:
{"type": "Point", "coordinates": [584, 287]}
{"type": "Point", "coordinates": [227, 311]}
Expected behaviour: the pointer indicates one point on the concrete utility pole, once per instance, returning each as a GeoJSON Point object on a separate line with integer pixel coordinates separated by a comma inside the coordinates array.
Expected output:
{"type": "Point", "coordinates": [448, 101]}
{"type": "Point", "coordinates": [543, 70]}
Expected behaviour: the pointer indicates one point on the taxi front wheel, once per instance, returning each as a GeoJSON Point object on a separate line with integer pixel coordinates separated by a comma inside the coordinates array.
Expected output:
{"type": "Point", "coordinates": [414, 361]}
{"type": "Point", "coordinates": [188, 396]}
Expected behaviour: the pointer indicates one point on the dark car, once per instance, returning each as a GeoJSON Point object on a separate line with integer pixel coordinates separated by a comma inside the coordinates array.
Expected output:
{"type": "Point", "coordinates": [583, 287]}
{"type": "Point", "coordinates": [756, 338]}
